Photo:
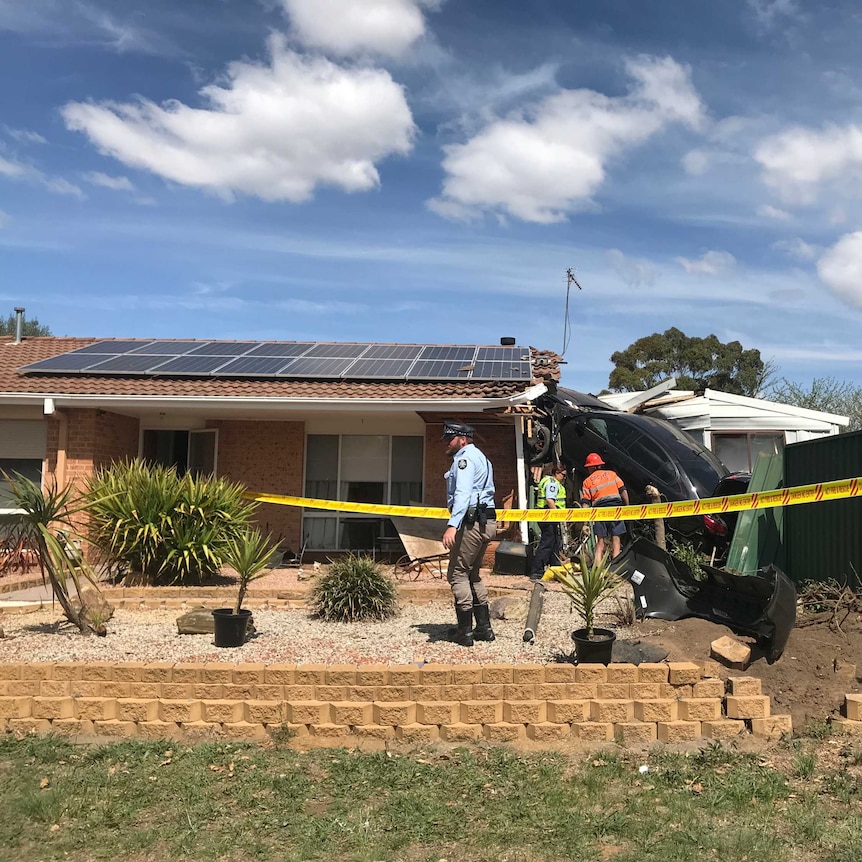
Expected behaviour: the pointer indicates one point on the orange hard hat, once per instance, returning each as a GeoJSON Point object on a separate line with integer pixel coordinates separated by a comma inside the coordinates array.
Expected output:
{"type": "Point", "coordinates": [593, 460]}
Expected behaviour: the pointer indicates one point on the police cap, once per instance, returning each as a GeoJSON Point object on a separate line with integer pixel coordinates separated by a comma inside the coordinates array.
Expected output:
{"type": "Point", "coordinates": [451, 428]}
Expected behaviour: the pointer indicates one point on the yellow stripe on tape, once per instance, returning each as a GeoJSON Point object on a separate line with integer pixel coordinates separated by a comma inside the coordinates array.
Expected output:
{"type": "Point", "coordinates": [840, 490]}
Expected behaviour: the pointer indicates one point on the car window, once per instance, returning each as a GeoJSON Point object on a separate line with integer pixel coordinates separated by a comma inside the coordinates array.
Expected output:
{"type": "Point", "coordinates": [653, 459]}
{"type": "Point", "coordinates": [619, 434]}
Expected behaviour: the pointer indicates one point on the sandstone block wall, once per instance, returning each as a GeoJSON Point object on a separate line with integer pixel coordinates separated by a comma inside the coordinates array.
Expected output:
{"type": "Point", "coordinates": [370, 704]}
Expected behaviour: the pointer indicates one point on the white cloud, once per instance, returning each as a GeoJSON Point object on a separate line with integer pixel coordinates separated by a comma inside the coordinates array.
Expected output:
{"type": "Point", "coordinates": [61, 187]}
{"type": "Point", "coordinates": [347, 27]}
{"type": "Point", "coordinates": [20, 171]}
{"type": "Point", "coordinates": [634, 272]}
{"type": "Point", "coordinates": [273, 131]}
{"type": "Point", "coordinates": [797, 248]}
{"type": "Point", "coordinates": [12, 169]}
{"type": "Point", "coordinates": [546, 162]}
{"type": "Point", "coordinates": [768, 11]}
{"type": "Point", "coordinates": [769, 211]}
{"type": "Point", "coordinates": [798, 161]}
{"type": "Point", "coordinates": [712, 263]}
{"type": "Point", "coordinates": [840, 269]}
{"type": "Point", "coordinates": [24, 136]}
{"type": "Point", "coordinates": [117, 184]}
{"type": "Point", "coordinates": [77, 21]}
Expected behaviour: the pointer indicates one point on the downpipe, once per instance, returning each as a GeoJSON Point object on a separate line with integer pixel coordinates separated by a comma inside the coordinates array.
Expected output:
{"type": "Point", "coordinates": [534, 612]}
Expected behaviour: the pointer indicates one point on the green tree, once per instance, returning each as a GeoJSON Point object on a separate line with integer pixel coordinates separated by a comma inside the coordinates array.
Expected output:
{"type": "Point", "coordinates": [31, 328]}
{"type": "Point", "coordinates": [826, 394]}
{"type": "Point", "coordinates": [696, 363]}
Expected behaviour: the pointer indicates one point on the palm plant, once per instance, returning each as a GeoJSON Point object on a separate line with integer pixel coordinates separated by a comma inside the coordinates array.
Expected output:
{"type": "Point", "coordinates": [248, 553]}
{"type": "Point", "coordinates": [46, 523]}
{"type": "Point", "coordinates": [172, 528]}
{"type": "Point", "coordinates": [586, 588]}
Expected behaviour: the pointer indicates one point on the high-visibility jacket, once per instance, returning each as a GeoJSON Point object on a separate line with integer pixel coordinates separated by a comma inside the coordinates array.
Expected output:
{"type": "Point", "coordinates": [601, 485]}
{"type": "Point", "coordinates": [549, 487]}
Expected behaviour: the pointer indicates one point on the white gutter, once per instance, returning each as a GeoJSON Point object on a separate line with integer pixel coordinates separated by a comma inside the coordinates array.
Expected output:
{"type": "Point", "coordinates": [154, 402]}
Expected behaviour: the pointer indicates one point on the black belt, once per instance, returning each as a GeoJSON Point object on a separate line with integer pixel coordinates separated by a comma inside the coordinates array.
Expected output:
{"type": "Point", "coordinates": [491, 514]}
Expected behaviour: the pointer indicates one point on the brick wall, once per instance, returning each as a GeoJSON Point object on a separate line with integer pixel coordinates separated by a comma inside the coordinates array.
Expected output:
{"type": "Point", "coordinates": [116, 437]}
{"type": "Point", "coordinates": [345, 704]}
{"type": "Point", "coordinates": [267, 457]}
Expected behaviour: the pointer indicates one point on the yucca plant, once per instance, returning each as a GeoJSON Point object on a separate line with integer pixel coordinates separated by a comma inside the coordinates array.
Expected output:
{"type": "Point", "coordinates": [46, 523]}
{"type": "Point", "coordinates": [174, 529]}
{"type": "Point", "coordinates": [586, 588]}
{"type": "Point", "coordinates": [355, 588]}
{"type": "Point", "coordinates": [248, 553]}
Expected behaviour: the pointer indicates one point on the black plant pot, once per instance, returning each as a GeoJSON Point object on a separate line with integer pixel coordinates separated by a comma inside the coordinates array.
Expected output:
{"type": "Point", "coordinates": [595, 650]}
{"type": "Point", "coordinates": [230, 628]}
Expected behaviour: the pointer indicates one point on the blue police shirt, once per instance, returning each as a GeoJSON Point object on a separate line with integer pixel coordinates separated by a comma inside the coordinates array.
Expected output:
{"type": "Point", "coordinates": [469, 480]}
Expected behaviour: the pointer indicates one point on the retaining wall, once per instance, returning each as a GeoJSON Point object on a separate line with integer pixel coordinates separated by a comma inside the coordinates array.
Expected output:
{"type": "Point", "coordinates": [372, 704]}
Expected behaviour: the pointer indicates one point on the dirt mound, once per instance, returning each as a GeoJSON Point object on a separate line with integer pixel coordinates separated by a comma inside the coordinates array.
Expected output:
{"type": "Point", "coordinates": [803, 682]}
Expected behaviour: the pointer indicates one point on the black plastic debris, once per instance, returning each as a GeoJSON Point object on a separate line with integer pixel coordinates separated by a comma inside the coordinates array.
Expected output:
{"type": "Point", "coordinates": [762, 605]}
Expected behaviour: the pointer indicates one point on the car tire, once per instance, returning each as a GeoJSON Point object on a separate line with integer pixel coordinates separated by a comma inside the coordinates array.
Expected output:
{"type": "Point", "coordinates": [539, 444]}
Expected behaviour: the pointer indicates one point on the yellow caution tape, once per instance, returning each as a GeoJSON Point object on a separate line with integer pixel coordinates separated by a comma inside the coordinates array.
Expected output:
{"type": "Point", "coordinates": [840, 490]}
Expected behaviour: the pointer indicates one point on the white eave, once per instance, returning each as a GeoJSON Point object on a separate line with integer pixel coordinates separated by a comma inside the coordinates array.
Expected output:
{"type": "Point", "coordinates": [229, 403]}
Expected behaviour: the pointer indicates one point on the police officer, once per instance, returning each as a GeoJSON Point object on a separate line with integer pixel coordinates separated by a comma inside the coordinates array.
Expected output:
{"type": "Point", "coordinates": [551, 494]}
{"type": "Point", "coordinates": [472, 524]}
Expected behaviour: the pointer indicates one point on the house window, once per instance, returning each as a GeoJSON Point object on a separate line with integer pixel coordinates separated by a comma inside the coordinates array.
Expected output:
{"type": "Point", "coordinates": [23, 444]}
{"type": "Point", "coordinates": [188, 451]}
{"type": "Point", "coordinates": [359, 468]}
{"type": "Point", "coordinates": [740, 451]}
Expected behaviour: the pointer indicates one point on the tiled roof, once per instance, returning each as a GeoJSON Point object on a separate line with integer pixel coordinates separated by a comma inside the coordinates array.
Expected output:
{"type": "Point", "coordinates": [14, 356]}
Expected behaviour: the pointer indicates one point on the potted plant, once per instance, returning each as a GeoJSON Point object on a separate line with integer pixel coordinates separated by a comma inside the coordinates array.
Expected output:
{"type": "Point", "coordinates": [247, 554]}
{"type": "Point", "coordinates": [595, 582]}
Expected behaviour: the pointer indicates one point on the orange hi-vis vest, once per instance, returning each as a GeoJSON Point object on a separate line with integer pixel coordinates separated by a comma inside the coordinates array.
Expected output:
{"type": "Point", "coordinates": [601, 485]}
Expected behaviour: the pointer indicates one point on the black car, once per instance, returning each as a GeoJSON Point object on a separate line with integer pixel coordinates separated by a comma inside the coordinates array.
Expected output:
{"type": "Point", "coordinates": [718, 529]}
{"type": "Point", "coordinates": [643, 450]}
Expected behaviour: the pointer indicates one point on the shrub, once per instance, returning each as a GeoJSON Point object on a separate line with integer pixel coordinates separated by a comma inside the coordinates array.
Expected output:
{"type": "Point", "coordinates": [354, 589]}
{"type": "Point", "coordinates": [174, 529]}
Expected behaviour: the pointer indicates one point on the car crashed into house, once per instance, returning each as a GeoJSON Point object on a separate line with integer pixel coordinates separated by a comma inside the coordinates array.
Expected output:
{"type": "Point", "coordinates": [647, 450]}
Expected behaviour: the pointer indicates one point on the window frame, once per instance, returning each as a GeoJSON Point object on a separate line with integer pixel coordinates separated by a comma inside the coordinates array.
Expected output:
{"type": "Point", "coordinates": [780, 434]}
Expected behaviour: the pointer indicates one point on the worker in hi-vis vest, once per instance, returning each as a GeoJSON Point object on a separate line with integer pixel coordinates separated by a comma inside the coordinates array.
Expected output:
{"type": "Point", "coordinates": [604, 489]}
{"type": "Point", "coordinates": [551, 494]}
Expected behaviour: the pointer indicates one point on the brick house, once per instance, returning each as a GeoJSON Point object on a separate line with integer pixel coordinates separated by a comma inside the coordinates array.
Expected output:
{"type": "Point", "coordinates": [361, 436]}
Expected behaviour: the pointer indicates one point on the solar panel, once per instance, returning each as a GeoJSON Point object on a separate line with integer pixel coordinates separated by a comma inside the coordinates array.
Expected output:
{"type": "Point", "coordinates": [255, 366]}
{"type": "Point", "coordinates": [439, 370]}
{"type": "Point", "coordinates": [453, 353]}
{"type": "Point", "coordinates": [192, 365]}
{"type": "Point", "coordinates": [379, 368]}
{"type": "Point", "coordinates": [392, 351]}
{"type": "Point", "coordinates": [125, 364]}
{"type": "Point", "coordinates": [76, 361]}
{"type": "Point", "coordinates": [273, 348]}
{"type": "Point", "coordinates": [502, 371]}
{"type": "Point", "coordinates": [312, 366]}
{"type": "Point", "coordinates": [293, 359]}
{"type": "Point", "coordinates": [333, 350]}
{"type": "Point", "coordinates": [223, 348]}
{"type": "Point", "coordinates": [113, 346]}
{"type": "Point", "coordinates": [503, 354]}
{"type": "Point", "coordinates": [162, 348]}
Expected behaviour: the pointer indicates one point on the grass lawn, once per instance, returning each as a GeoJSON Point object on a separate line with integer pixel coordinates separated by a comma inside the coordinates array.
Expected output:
{"type": "Point", "coordinates": [156, 801]}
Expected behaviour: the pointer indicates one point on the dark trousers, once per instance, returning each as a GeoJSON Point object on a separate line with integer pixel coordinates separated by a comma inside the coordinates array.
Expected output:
{"type": "Point", "coordinates": [548, 549]}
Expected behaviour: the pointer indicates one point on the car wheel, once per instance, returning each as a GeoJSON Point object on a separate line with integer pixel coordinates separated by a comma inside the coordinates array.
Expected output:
{"type": "Point", "coordinates": [539, 444]}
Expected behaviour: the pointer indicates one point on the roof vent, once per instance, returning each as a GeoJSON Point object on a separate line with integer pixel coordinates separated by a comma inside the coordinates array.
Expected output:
{"type": "Point", "coordinates": [19, 325]}
{"type": "Point", "coordinates": [507, 342]}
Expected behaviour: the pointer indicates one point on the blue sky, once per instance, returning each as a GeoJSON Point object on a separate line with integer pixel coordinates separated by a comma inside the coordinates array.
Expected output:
{"type": "Point", "coordinates": [427, 171]}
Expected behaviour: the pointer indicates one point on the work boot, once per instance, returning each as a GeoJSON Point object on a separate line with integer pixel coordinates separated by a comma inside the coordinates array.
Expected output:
{"type": "Point", "coordinates": [483, 630]}
{"type": "Point", "coordinates": [463, 635]}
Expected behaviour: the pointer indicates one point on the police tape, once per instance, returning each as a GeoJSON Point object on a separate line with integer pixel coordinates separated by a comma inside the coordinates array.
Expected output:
{"type": "Point", "coordinates": [822, 492]}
